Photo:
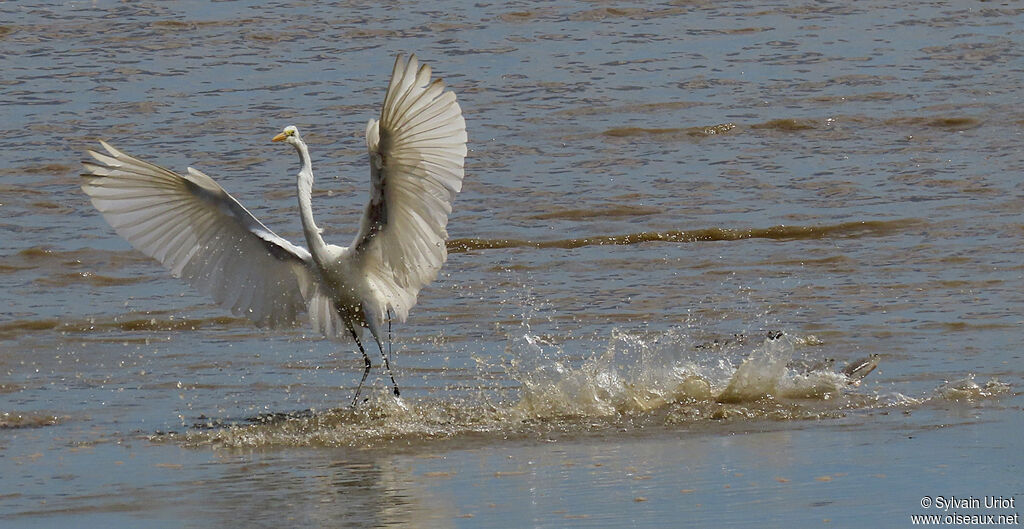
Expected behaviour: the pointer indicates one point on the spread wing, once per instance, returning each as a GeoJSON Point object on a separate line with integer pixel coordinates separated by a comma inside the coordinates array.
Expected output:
{"type": "Point", "coordinates": [201, 234]}
{"type": "Point", "coordinates": [416, 151]}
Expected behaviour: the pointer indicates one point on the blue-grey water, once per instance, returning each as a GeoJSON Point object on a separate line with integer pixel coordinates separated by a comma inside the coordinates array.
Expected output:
{"type": "Point", "coordinates": [654, 191]}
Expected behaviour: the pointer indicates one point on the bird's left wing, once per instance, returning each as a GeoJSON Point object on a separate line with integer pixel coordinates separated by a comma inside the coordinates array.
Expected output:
{"type": "Point", "coordinates": [201, 234]}
{"type": "Point", "coordinates": [417, 150]}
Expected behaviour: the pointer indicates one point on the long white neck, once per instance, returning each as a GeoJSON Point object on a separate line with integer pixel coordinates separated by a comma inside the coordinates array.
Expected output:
{"type": "Point", "coordinates": [304, 182]}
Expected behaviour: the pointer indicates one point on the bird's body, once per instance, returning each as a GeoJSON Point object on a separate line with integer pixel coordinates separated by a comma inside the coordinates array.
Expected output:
{"type": "Point", "coordinates": [203, 235]}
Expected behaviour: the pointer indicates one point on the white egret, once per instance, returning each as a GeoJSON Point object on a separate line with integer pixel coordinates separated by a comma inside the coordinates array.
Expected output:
{"type": "Point", "coordinates": [203, 235]}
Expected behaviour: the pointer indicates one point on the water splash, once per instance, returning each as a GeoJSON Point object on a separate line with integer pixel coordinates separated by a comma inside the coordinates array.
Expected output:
{"type": "Point", "coordinates": [636, 374]}
{"type": "Point", "coordinates": [638, 380]}
{"type": "Point", "coordinates": [966, 389]}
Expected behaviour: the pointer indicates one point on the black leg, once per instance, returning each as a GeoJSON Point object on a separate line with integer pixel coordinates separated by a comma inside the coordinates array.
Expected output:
{"type": "Point", "coordinates": [384, 356]}
{"type": "Point", "coordinates": [366, 371]}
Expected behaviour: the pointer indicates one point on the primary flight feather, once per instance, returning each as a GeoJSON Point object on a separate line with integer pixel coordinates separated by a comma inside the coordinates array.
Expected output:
{"type": "Point", "coordinates": [202, 234]}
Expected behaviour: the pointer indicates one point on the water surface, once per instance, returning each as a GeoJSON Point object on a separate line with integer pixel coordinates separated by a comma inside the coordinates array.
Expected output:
{"type": "Point", "coordinates": [654, 192]}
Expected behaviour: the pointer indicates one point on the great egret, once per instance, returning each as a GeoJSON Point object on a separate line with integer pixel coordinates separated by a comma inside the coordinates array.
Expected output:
{"type": "Point", "coordinates": [202, 234]}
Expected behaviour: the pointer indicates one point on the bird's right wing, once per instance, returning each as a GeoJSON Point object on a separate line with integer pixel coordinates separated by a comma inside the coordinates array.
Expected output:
{"type": "Point", "coordinates": [203, 235]}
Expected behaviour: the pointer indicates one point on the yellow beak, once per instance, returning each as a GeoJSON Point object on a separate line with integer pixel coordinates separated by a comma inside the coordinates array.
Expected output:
{"type": "Point", "coordinates": [279, 137]}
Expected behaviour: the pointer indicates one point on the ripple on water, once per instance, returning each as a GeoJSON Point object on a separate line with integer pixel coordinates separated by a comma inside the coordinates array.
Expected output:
{"type": "Point", "coordinates": [843, 230]}
{"type": "Point", "coordinates": [10, 420]}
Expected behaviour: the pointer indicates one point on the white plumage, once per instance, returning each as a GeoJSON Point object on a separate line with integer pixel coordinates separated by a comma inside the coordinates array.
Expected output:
{"type": "Point", "coordinates": [203, 235]}
{"type": "Point", "coordinates": [416, 150]}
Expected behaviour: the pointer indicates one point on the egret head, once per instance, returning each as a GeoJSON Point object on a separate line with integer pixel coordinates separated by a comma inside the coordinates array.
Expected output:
{"type": "Point", "coordinates": [290, 134]}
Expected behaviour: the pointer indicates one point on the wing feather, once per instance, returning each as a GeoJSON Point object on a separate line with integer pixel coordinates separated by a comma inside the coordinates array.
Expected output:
{"type": "Point", "coordinates": [417, 151]}
{"type": "Point", "coordinates": [202, 235]}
